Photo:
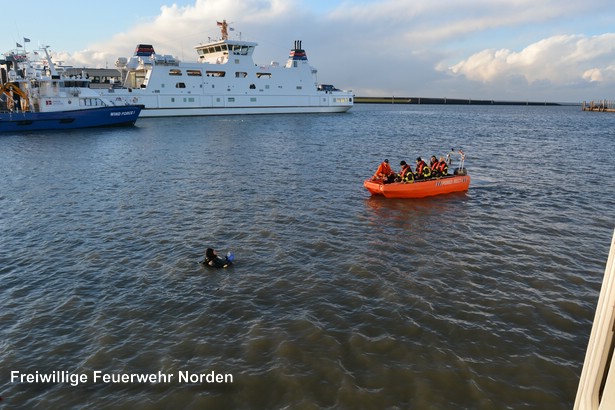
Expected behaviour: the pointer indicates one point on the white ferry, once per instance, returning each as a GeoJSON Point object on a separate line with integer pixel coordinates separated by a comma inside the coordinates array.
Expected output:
{"type": "Point", "coordinates": [224, 80]}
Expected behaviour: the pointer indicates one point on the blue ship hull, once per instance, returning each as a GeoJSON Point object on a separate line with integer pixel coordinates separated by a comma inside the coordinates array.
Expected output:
{"type": "Point", "coordinates": [87, 118]}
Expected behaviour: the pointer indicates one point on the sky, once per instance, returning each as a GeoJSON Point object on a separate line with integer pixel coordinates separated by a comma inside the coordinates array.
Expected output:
{"type": "Point", "coordinates": [503, 50]}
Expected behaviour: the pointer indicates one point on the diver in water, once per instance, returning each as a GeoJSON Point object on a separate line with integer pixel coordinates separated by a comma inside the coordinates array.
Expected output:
{"type": "Point", "coordinates": [212, 259]}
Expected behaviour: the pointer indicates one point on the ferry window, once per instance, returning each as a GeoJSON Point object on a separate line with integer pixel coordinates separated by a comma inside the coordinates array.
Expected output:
{"type": "Point", "coordinates": [180, 85]}
{"type": "Point", "coordinates": [266, 75]}
{"type": "Point", "coordinates": [236, 61]}
{"type": "Point", "coordinates": [175, 71]}
{"type": "Point", "coordinates": [231, 99]}
{"type": "Point", "coordinates": [240, 50]}
{"type": "Point", "coordinates": [253, 99]}
{"type": "Point", "coordinates": [218, 49]}
{"type": "Point", "coordinates": [299, 87]}
{"type": "Point", "coordinates": [252, 87]}
{"type": "Point", "coordinates": [194, 73]}
{"type": "Point", "coordinates": [215, 73]}
{"type": "Point", "coordinates": [241, 74]}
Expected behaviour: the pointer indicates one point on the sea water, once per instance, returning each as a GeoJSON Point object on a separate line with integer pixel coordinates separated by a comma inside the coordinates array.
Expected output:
{"type": "Point", "coordinates": [336, 299]}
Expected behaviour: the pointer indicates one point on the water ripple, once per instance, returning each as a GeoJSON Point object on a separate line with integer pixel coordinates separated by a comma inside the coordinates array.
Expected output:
{"type": "Point", "coordinates": [337, 299]}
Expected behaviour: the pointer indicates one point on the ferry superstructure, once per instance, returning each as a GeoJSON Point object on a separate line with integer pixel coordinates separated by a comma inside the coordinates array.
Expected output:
{"type": "Point", "coordinates": [224, 80]}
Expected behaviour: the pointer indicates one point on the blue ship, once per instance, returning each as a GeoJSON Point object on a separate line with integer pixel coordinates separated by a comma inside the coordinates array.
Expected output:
{"type": "Point", "coordinates": [60, 120]}
{"type": "Point", "coordinates": [33, 96]}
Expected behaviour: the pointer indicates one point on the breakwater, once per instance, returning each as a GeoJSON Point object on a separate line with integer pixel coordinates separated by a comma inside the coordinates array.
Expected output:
{"type": "Point", "coordinates": [442, 101]}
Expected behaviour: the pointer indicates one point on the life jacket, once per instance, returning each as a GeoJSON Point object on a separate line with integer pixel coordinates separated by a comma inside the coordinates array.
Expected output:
{"type": "Point", "coordinates": [419, 167]}
{"type": "Point", "coordinates": [217, 262]}
{"type": "Point", "coordinates": [405, 169]}
{"type": "Point", "coordinates": [434, 166]}
{"type": "Point", "coordinates": [443, 167]}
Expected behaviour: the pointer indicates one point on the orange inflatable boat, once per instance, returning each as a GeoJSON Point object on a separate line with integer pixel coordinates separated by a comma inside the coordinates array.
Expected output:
{"type": "Point", "coordinates": [419, 189]}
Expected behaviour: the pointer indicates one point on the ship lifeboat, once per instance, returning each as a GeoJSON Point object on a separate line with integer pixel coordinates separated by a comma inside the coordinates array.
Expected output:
{"type": "Point", "coordinates": [419, 188]}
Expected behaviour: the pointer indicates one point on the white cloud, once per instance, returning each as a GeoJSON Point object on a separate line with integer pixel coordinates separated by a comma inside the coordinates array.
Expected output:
{"type": "Point", "coordinates": [392, 47]}
{"type": "Point", "coordinates": [178, 28]}
{"type": "Point", "coordinates": [560, 60]}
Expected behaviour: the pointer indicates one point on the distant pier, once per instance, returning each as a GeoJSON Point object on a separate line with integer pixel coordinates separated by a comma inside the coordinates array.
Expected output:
{"type": "Point", "coordinates": [602, 106]}
{"type": "Point", "coordinates": [442, 101]}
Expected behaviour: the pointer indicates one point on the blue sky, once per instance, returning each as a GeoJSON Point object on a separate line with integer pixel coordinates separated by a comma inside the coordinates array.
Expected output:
{"type": "Point", "coordinates": [545, 50]}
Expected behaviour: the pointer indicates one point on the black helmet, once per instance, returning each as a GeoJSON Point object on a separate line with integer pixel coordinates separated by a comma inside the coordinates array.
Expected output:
{"type": "Point", "coordinates": [386, 160]}
{"type": "Point", "coordinates": [402, 163]}
{"type": "Point", "coordinates": [418, 159]}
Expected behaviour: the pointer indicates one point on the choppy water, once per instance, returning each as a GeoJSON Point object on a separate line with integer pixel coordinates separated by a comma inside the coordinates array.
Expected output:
{"type": "Point", "coordinates": [479, 300]}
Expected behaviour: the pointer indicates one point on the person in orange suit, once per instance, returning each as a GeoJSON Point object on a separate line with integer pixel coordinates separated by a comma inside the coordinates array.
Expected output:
{"type": "Point", "coordinates": [384, 172]}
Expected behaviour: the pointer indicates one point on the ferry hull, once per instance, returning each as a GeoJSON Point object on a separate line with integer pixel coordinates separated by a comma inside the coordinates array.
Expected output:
{"type": "Point", "coordinates": [60, 120]}
{"type": "Point", "coordinates": [200, 111]}
{"type": "Point", "coordinates": [419, 189]}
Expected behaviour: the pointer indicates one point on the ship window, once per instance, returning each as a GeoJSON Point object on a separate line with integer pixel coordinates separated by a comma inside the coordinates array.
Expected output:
{"type": "Point", "coordinates": [216, 73]}
{"type": "Point", "coordinates": [252, 87]}
{"type": "Point", "coordinates": [266, 75]}
{"type": "Point", "coordinates": [180, 85]}
{"type": "Point", "coordinates": [299, 87]}
{"type": "Point", "coordinates": [241, 50]}
{"type": "Point", "coordinates": [253, 99]}
{"type": "Point", "coordinates": [194, 72]}
{"type": "Point", "coordinates": [231, 99]}
{"type": "Point", "coordinates": [241, 74]}
{"type": "Point", "coordinates": [175, 71]}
